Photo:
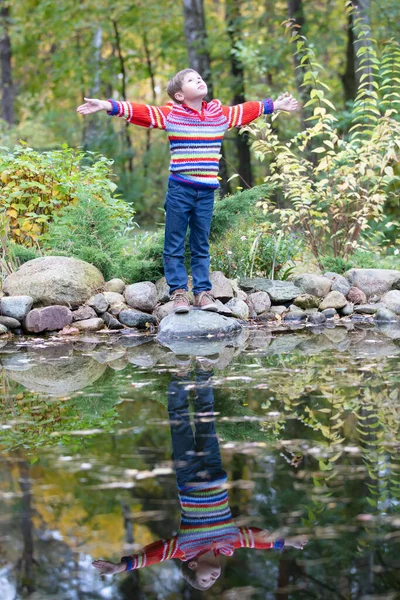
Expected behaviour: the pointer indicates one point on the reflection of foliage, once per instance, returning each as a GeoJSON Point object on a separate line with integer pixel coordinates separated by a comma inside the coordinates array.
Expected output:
{"type": "Point", "coordinates": [31, 421]}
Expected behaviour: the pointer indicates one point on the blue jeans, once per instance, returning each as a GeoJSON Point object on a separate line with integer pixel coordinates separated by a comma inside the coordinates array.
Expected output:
{"type": "Point", "coordinates": [185, 206]}
{"type": "Point", "coordinates": [196, 453]}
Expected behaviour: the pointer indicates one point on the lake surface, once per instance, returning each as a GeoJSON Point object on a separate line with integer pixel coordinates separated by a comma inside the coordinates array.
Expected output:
{"type": "Point", "coordinates": [308, 430]}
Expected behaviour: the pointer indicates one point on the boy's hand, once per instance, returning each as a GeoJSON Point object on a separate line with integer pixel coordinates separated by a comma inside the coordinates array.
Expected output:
{"type": "Point", "coordinates": [92, 105]}
{"type": "Point", "coordinates": [286, 102]}
{"type": "Point", "coordinates": [298, 541]}
{"type": "Point", "coordinates": [109, 568]}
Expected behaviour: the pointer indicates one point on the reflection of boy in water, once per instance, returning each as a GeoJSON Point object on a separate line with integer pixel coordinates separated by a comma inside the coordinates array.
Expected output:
{"type": "Point", "coordinates": [207, 529]}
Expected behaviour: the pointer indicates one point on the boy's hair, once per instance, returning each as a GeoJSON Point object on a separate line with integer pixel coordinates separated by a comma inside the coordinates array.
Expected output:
{"type": "Point", "coordinates": [175, 83]}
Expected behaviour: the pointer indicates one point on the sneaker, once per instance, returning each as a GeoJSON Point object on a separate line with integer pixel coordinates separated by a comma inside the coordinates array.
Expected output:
{"type": "Point", "coordinates": [181, 301]}
{"type": "Point", "coordinates": [205, 301]}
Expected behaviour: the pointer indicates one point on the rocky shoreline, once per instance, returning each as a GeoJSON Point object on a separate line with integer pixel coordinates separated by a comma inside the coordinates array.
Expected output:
{"type": "Point", "coordinates": [69, 296]}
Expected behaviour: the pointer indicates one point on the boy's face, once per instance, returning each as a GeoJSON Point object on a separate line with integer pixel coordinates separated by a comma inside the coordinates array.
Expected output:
{"type": "Point", "coordinates": [193, 88]}
{"type": "Point", "coordinates": [207, 568]}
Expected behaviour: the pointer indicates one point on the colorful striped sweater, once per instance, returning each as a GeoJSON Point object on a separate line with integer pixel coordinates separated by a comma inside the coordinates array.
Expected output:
{"type": "Point", "coordinates": [195, 137]}
{"type": "Point", "coordinates": [206, 524]}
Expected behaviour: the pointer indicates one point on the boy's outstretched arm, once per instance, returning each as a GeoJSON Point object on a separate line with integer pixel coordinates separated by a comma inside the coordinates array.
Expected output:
{"type": "Point", "coordinates": [149, 555]}
{"type": "Point", "coordinates": [243, 114]}
{"type": "Point", "coordinates": [144, 115]}
{"type": "Point", "coordinates": [253, 537]}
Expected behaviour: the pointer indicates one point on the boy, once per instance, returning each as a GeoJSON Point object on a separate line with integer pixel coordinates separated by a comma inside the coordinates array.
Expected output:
{"type": "Point", "coordinates": [195, 131]}
{"type": "Point", "coordinates": [207, 529]}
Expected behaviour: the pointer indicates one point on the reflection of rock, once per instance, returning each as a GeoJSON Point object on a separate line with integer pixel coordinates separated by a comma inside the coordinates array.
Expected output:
{"type": "Point", "coordinates": [284, 344]}
{"type": "Point", "coordinates": [376, 346]}
{"type": "Point", "coordinates": [197, 347]}
{"type": "Point", "coordinates": [60, 377]}
{"type": "Point", "coordinates": [391, 331]}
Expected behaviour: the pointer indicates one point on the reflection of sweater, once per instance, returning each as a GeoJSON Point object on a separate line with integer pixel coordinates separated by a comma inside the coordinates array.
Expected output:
{"type": "Point", "coordinates": [206, 524]}
{"type": "Point", "coordinates": [195, 137]}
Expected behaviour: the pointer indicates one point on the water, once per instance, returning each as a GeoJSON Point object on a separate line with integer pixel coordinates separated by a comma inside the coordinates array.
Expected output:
{"type": "Point", "coordinates": [308, 429]}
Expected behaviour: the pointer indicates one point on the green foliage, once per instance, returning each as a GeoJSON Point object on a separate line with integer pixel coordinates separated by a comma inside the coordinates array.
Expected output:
{"type": "Point", "coordinates": [89, 230]}
{"type": "Point", "coordinates": [35, 187]}
{"type": "Point", "coordinates": [21, 254]}
{"type": "Point", "coordinates": [335, 197]}
{"type": "Point", "coordinates": [144, 262]}
{"type": "Point", "coordinates": [249, 249]}
{"type": "Point", "coordinates": [361, 259]}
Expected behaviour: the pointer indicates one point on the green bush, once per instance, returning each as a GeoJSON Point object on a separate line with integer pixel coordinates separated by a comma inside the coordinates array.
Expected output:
{"type": "Point", "coordinates": [35, 187]}
{"type": "Point", "coordinates": [90, 231]}
{"type": "Point", "coordinates": [248, 250]}
{"type": "Point", "coordinates": [22, 254]}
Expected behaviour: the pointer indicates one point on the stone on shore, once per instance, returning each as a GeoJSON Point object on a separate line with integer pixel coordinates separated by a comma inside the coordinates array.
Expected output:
{"type": "Point", "coordinates": [114, 285]}
{"type": "Point", "coordinates": [333, 300]}
{"type": "Point", "coordinates": [135, 318]}
{"type": "Point", "coordinates": [347, 310]}
{"type": "Point", "coordinates": [239, 308]}
{"type": "Point", "coordinates": [316, 318]}
{"type": "Point", "coordinates": [315, 285]}
{"type": "Point", "coordinates": [98, 303]}
{"type": "Point", "coordinates": [221, 286]}
{"type": "Point", "coordinates": [356, 296]}
{"type": "Point", "coordinates": [260, 302]}
{"type": "Point", "coordinates": [90, 324]}
{"type": "Point", "coordinates": [368, 309]}
{"type": "Point", "coordinates": [3, 329]}
{"type": "Point", "coordinates": [329, 313]}
{"type": "Point", "coordinates": [340, 284]}
{"type": "Point", "coordinates": [392, 301]}
{"type": "Point", "coordinates": [55, 280]}
{"type": "Point", "coordinates": [84, 312]}
{"type": "Point", "coordinates": [162, 289]}
{"type": "Point", "coordinates": [373, 281]}
{"type": "Point", "coordinates": [142, 296]}
{"type": "Point", "coordinates": [164, 310]}
{"type": "Point", "coordinates": [116, 303]}
{"type": "Point", "coordinates": [16, 307]}
{"type": "Point", "coordinates": [306, 301]}
{"type": "Point", "coordinates": [49, 318]}
{"type": "Point", "coordinates": [111, 322]}
{"type": "Point", "coordinates": [196, 324]}
{"type": "Point", "coordinates": [10, 322]}
{"type": "Point", "coordinates": [278, 291]}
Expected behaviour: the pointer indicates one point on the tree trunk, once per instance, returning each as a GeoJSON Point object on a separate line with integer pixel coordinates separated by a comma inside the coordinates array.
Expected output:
{"type": "Point", "coordinates": [296, 12]}
{"type": "Point", "coordinates": [92, 131]}
{"type": "Point", "coordinates": [123, 73]}
{"type": "Point", "coordinates": [150, 69]}
{"type": "Point", "coordinates": [362, 10]}
{"type": "Point", "coordinates": [7, 87]}
{"type": "Point", "coordinates": [349, 76]}
{"type": "Point", "coordinates": [233, 20]}
{"type": "Point", "coordinates": [199, 60]}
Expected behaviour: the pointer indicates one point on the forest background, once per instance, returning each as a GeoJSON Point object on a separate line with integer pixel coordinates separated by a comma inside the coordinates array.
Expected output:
{"type": "Point", "coordinates": [54, 54]}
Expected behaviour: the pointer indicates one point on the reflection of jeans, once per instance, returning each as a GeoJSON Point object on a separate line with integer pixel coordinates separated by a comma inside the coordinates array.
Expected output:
{"type": "Point", "coordinates": [187, 206]}
{"type": "Point", "coordinates": [196, 454]}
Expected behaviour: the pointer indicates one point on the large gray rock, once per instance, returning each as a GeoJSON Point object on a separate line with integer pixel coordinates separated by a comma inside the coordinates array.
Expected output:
{"type": "Point", "coordinates": [239, 308]}
{"type": "Point", "coordinates": [368, 309]}
{"type": "Point", "coordinates": [373, 281]}
{"type": "Point", "coordinates": [114, 285]}
{"type": "Point", "coordinates": [278, 291]}
{"type": "Point", "coordinates": [260, 301]}
{"type": "Point", "coordinates": [135, 318]}
{"type": "Point", "coordinates": [16, 307]}
{"type": "Point", "coordinates": [333, 300]}
{"type": "Point", "coordinates": [142, 296]}
{"type": "Point", "coordinates": [111, 322]}
{"type": "Point", "coordinates": [313, 284]}
{"type": "Point", "coordinates": [52, 280]}
{"type": "Point", "coordinates": [196, 324]}
{"type": "Point", "coordinates": [221, 286]}
{"type": "Point", "coordinates": [116, 302]}
{"type": "Point", "coordinates": [49, 318]}
{"type": "Point", "coordinates": [392, 301]}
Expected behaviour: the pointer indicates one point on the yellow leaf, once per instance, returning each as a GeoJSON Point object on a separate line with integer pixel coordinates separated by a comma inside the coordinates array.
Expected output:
{"type": "Point", "coordinates": [12, 212]}
{"type": "Point", "coordinates": [5, 178]}
{"type": "Point", "coordinates": [26, 226]}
